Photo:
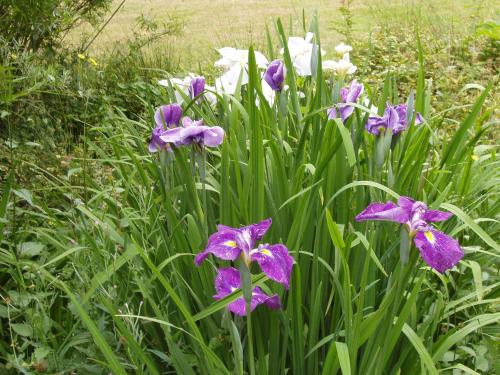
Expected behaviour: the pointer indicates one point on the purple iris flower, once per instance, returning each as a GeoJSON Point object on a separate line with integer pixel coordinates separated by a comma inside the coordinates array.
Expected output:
{"type": "Point", "coordinates": [166, 116]}
{"type": "Point", "coordinates": [228, 280]}
{"type": "Point", "coordinates": [230, 243]}
{"type": "Point", "coordinates": [348, 95]}
{"type": "Point", "coordinates": [193, 132]}
{"type": "Point", "coordinates": [394, 118]}
{"type": "Point", "coordinates": [438, 250]}
{"type": "Point", "coordinates": [196, 87]}
{"type": "Point", "coordinates": [275, 75]}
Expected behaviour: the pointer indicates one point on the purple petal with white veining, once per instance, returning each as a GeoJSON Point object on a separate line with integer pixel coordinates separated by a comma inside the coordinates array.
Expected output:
{"type": "Point", "coordinates": [406, 202]}
{"type": "Point", "coordinates": [343, 94]}
{"type": "Point", "coordinates": [196, 87]}
{"type": "Point", "coordinates": [384, 211]}
{"type": "Point", "coordinates": [355, 90]}
{"type": "Point", "coordinates": [331, 113]}
{"type": "Point", "coordinates": [156, 143]}
{"type": "Point", "coordinates": [438, 250]}
{"type": "Point", "coordinates": [228, 280]}
{"type": "Point", "coordinates": [168, 115]}
{"type": "Point", "coordinates": [392, 120]}
{"type": "Point", "coordinates": [275, 262]}
{"type": "Point", "coordinates": [436, 215]}
{"type": "Point", "coordinates": [223, 245]}
{"type": "Point", "coordinates": [401, 110]}
{"type": "Point", "coordinates": [259, 229]}
{"type": "Point", "coordinates": [194, 132]}
{"type": "Point", "coordinates": [187, 122]}
{"type": "Point", "coordinates": [171, 135]}
{"type": "Point", "coordinates": [225, 228]}
{"type": "Point", "coordinates": [238, 306]}
{"type": "Point", "coordinates": [213, 136]}
{"type": "Point", "coordinates": [345, 111]}
{"type": "Point", "coordinates": [349, 95]}
{"type": "Point", "coordinates": [246, 236]}
{"type": "Point", "coordinates": [375, 124]}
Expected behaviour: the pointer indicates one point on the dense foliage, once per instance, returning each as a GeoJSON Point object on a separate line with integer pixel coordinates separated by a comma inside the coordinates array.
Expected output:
{"type": "Point", "coordinates": [35, 24]}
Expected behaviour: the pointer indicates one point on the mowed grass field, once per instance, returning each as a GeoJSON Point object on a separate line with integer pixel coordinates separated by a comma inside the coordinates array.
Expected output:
{"type": "Point", "coordinates": [210, 24]}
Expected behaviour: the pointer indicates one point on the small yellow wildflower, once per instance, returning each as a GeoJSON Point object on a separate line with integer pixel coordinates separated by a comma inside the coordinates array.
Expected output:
{"type": "Point", "coordinates": [13, 56]}
{"type": "Point", "coordinates": [81, 56]}
{"type": "Point", "coordinates": [474, 157]}
{"type": "Point", "coordinates": [92, 61]}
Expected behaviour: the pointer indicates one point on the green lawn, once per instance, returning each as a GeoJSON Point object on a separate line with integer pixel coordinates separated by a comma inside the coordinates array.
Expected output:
{"type": "Point", "coordinates": [208, 25]}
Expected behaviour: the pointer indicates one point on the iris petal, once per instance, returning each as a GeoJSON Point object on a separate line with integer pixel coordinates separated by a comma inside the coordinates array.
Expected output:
{"type": "Point", "coordinates": [275, 262]}
{"type": "Point", "coordinates": [384, 211]}
{"type": "Point", "coordinates": [228, 280]}
{"type": "Point", "coordinates": [438, 250]}
{"type": "Point", "coordinates": [436, 215]}
{"type": "Point", "coordinates": [222, 245]}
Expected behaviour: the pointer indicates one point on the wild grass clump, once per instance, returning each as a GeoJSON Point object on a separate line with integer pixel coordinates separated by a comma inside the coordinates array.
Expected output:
{"type": "Point", "coordinates": [105, 279]}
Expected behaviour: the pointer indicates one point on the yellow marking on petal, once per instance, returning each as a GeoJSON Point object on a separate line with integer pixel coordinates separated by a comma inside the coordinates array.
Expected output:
{"type": "Point", "coordinates": [430, 237]}
{"type": "Point", "coordinates": [230, 244]}
{"type": "Point", "coordinates": [266, 252]}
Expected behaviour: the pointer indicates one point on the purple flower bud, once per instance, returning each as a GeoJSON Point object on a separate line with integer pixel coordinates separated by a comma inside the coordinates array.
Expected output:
{"type": "Point", "coordinates": [196, 87]}
{"type": "Point", "coordinates": [275, 75]}
{"type": "Point", "coordinates": [168, 115]}
{"type": "Point", "coordinates": [347, 95]}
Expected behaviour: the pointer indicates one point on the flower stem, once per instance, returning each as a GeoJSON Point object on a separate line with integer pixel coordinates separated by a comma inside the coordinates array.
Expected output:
{"type": "Point", "coordinates": [202, 159]}
{"type": "Point", "coordinates": [246, 285]}
{"type": "Point", "coordinates": [250, 340]}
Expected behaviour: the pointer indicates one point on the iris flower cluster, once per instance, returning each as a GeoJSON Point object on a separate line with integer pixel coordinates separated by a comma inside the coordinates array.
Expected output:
{"type": "Point", "coordinates": [169, 130]}
{"type": "Point", "coordinates": [438, 250]}
{"type": "Point", "coordinates": [241, 243]}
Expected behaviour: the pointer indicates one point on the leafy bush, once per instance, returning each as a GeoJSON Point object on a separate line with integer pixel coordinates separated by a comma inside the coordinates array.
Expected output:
{"type": "Point", "coordinates": [34, 24]}
{"type": "Point", "coordinates": [491, 31]}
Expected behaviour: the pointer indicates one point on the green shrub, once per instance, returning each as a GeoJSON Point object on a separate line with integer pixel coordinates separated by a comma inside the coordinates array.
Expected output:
{"type": "Point", "coordinates": [35, 24]}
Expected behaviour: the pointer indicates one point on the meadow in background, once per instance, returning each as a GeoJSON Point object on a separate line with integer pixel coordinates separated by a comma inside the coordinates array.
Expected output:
{"type": "Point", "coordinates": [98, 236]}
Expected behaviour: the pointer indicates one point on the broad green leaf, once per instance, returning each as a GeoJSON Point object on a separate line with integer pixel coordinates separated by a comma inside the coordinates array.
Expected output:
{"type": "Point", "coordinates": [347, 141]}
{"type": "Point", "coordinates": [343, 354]}
{"type": "Point", "coordinates": [419, 346]}
{"type": "Point", "coordinates": [22, 329]}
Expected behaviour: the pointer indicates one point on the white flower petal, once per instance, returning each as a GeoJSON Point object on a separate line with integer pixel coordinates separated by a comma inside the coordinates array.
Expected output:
{"type": "Point", "coordinates": [342, 49]}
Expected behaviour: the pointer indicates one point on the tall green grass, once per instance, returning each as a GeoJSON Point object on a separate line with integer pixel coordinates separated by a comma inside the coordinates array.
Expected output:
{"type": "Point", "coordinates": [119, 289]}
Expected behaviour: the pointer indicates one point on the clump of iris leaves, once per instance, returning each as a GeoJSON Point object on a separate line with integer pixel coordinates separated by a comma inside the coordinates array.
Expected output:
{"type": "Point", "coordinates": [124, 296]}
